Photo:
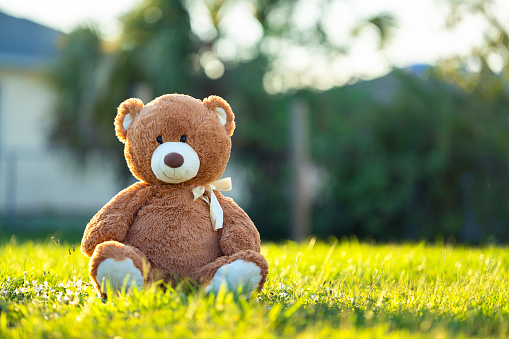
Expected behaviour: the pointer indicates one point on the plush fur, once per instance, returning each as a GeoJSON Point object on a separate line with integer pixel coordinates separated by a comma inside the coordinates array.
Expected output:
{"type": "Point", "coordinates": [157, 224]}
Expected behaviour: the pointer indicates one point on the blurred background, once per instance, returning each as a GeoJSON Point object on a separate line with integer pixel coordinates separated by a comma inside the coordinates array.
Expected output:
{"type": "Point", "coordinates": [384, 120]}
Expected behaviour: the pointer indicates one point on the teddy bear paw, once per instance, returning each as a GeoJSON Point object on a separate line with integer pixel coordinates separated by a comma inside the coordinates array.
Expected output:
{"type": "Point", "coordinates": [115, 272]}
{"type": "Point", "coordinates": [239, 275]}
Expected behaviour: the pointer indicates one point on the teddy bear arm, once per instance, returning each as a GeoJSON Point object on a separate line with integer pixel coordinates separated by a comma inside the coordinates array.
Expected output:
{"type": "Point", "coordinates": [113, 221]}
{"type": "Point", "coordinates": [239, 232]}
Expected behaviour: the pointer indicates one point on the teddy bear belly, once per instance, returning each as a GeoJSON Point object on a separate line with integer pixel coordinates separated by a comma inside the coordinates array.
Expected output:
{"type": "Point", "coordinates": [175, 239]}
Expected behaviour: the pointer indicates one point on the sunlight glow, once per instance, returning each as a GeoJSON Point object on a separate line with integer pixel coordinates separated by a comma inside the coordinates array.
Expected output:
{"type": "Point", "coordinates": [420, 38]}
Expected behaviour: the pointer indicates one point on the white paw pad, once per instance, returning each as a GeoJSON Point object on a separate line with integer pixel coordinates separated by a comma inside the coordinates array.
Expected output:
{"type": "Point", "coordinates": [238, 274]}
{"type": "Point", "coordinates": [115, 272]}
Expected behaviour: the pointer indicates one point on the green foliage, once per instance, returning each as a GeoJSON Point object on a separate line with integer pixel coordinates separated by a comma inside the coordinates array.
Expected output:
{"type": "Point", "coordinates": [157, 42]}
{"type": "Point", "coordinates": [260, 147]}
{"type": "Point", "coordinates": [80, 57]}
{"type": "Point", "coordinates": [424, 152]}
{"type": "Point", "coordinates": [314, 289]}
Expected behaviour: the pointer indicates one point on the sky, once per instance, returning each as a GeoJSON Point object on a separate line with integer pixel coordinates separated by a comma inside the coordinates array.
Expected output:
{"type": "Point", "coordinates": [64, 15]}
{"type": "Point", "coordinates": [421, 37]}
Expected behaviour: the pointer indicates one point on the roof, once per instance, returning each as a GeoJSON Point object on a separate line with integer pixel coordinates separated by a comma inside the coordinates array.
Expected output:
{"type": "Point", "coordinates": [24, 43]}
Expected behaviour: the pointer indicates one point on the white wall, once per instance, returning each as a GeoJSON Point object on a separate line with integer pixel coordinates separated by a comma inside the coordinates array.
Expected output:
{"type": "Point", "coordinates": [34, 178]}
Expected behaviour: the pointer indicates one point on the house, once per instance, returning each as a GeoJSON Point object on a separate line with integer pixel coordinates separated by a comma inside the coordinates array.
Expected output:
{"type": "Point", "coordinates": [35, 180]}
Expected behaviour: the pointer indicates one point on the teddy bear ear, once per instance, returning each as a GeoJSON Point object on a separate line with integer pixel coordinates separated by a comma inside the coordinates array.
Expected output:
{"type": "Point", "coordinates": [223, 110]}
{"type": "Point", "coordinates": [126, 113]}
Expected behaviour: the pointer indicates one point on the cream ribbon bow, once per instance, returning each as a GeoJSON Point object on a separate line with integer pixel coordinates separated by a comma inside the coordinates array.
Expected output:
{"type": "Point", "coordinates": [216, 212]}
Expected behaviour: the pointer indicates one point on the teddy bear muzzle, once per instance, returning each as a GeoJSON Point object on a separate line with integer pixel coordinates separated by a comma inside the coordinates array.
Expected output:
{"type": "Point", "coordinates": [175, 162]}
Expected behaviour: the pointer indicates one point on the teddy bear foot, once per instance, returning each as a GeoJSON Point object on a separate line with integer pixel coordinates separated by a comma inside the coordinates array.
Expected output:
{"type": "Point", "coordinates": [114, 273]}
{"type": "Point", "coordinates": [116, 265]}
{"type": "Point", "coordinates": [238, 276]}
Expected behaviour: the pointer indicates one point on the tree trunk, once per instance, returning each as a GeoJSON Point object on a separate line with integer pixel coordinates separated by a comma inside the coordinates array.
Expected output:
{"type": "Point", "coordinates": [301, 205]}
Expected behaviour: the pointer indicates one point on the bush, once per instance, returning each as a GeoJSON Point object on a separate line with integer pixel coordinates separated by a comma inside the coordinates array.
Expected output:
{"type": "Point", "coordinates": [409, 157]}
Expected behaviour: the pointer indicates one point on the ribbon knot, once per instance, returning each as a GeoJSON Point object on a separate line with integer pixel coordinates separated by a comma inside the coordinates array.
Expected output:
{"type": "Point", "coordinates": [216, 212]}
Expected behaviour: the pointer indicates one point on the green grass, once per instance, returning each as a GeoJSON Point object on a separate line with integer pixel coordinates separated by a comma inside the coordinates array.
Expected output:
{"type": "Point", "coordinates": [338, 289]}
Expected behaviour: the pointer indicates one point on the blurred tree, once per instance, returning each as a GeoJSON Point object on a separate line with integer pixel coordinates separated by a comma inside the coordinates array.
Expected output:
{"type": "Point", "coordinates": [421, 153]}
{"type": "Point", "coordinates": [484, 70]}
{"type": "Point", "coordinates": [422, 158]}
{"type": "Point", "coordinates": [261, 147]}
{"type": "Point", "coordinates": [194, 47]}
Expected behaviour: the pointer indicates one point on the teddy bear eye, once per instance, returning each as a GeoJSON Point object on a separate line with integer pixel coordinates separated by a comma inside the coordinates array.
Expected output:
{"type": "Point", "coordinates": [183, 138]}
{"type": "Point", "coordinates": [160, 139]}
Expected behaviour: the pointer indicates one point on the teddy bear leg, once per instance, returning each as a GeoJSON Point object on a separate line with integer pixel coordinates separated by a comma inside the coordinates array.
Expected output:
{"type": "Point", "coordinates": [246, 270]}
{"type": "Point", "coordinates": [112, 262]}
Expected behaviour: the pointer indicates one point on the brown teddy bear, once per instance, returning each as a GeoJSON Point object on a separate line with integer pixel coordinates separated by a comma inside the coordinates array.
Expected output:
{"type": "Point", "coordinates": [174, 224]}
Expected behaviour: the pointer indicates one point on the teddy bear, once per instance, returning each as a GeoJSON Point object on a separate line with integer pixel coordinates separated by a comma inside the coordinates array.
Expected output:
{"type": "Point", "coordinates": [174, 224]}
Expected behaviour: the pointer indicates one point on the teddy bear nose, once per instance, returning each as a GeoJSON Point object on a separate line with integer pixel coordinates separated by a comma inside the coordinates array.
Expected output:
{"type": "Point", "coordinates": [173, 160]}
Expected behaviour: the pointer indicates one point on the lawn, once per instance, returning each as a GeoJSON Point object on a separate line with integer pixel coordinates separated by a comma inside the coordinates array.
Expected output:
{"type": "Point", "coordinates": [315, 289]}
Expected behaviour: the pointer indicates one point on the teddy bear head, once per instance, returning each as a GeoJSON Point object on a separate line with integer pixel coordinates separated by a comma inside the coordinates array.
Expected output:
{"type": "Point", "coordinates": [176, 138]}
